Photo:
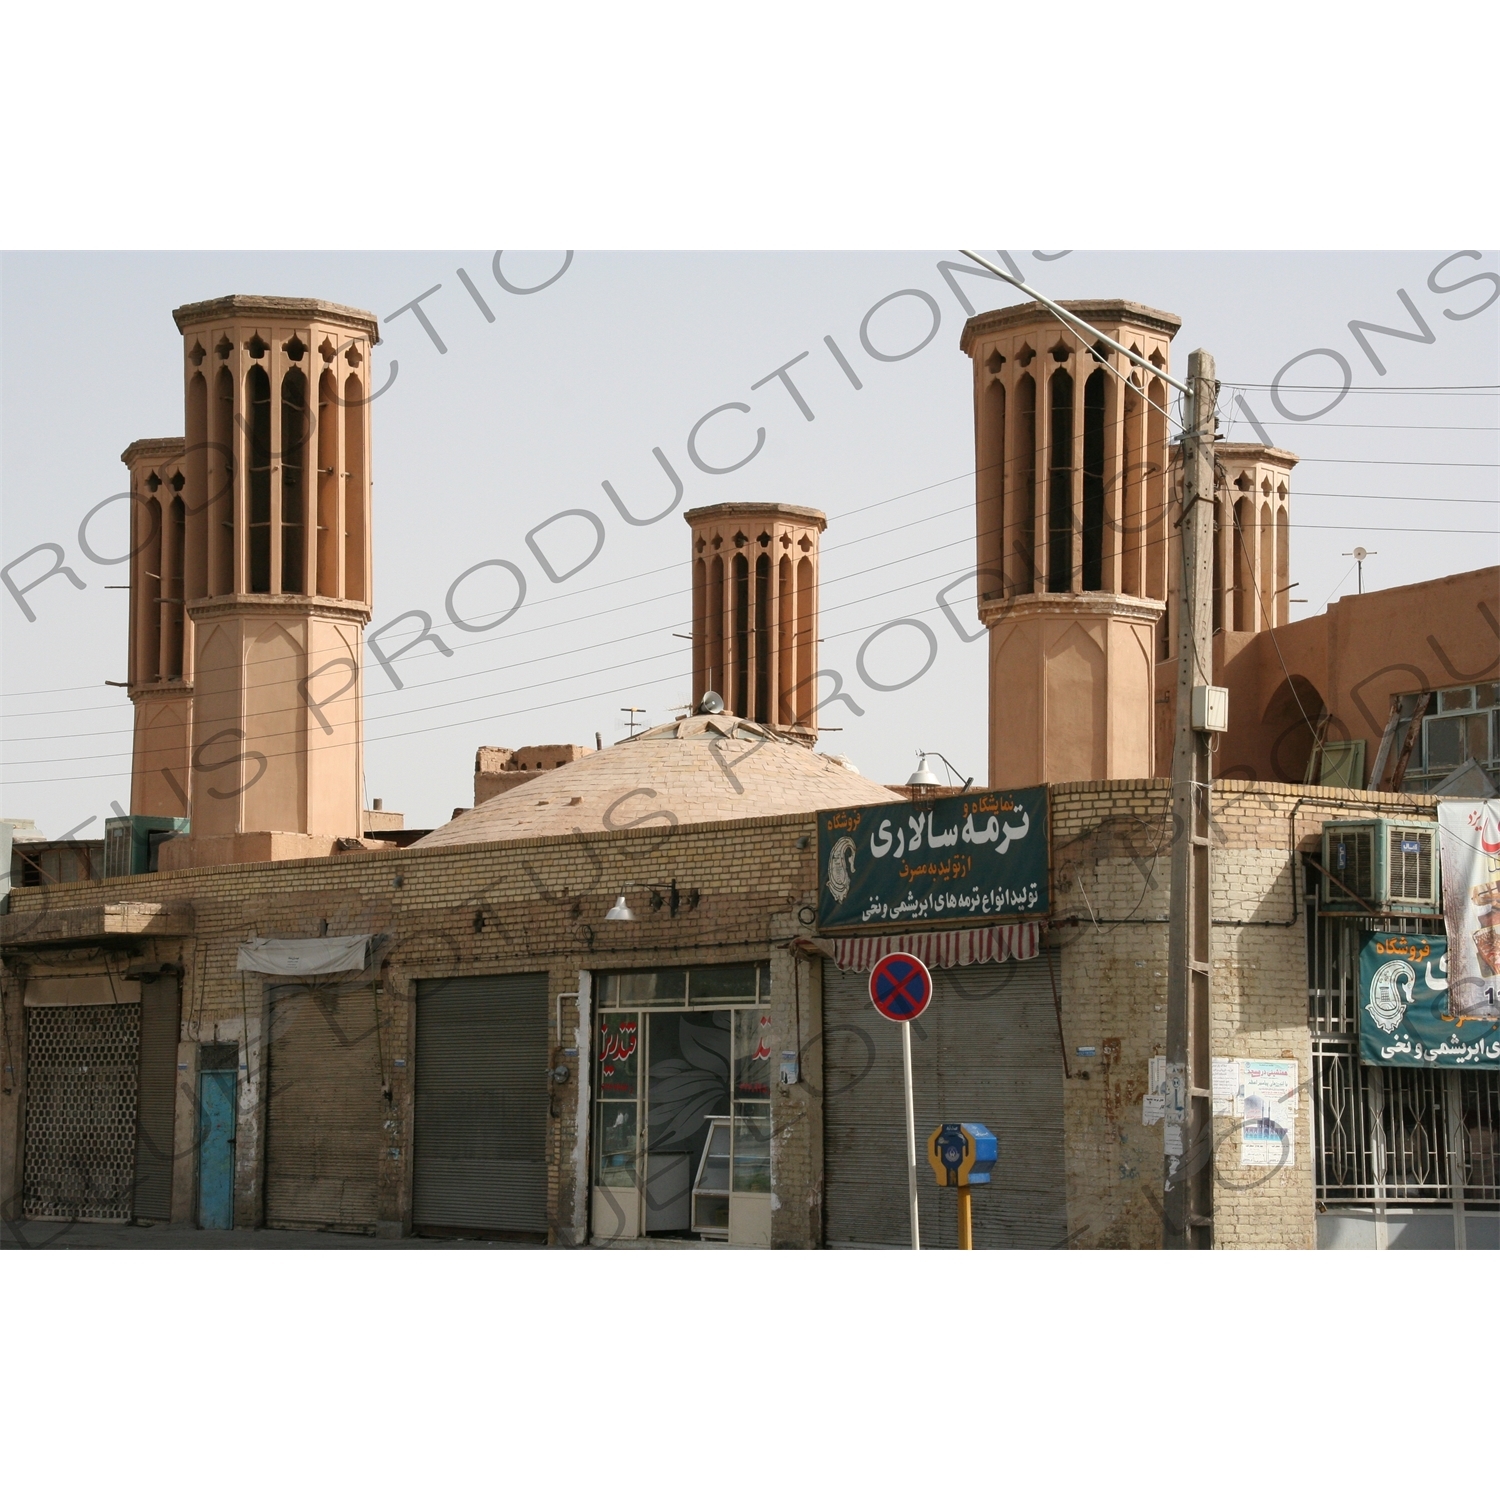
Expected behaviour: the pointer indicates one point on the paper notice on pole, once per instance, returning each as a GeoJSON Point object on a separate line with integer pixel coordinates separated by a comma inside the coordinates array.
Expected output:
{"type": "Point", "coordinates": [1269, 1108]}
{"type": "Point", "coordinates": [1171, 1140]}
{"type": "Point", "coordinates": [1153, 1104]}
{"type": "Point", "coordinates": [1229, 1098]}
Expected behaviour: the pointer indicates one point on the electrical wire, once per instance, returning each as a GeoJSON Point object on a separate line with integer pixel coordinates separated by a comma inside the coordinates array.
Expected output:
{"type": "Point", "coordinates": [854, 541]}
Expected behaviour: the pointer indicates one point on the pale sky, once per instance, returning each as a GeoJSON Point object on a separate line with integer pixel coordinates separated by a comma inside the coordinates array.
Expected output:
{"type": "Point", "coordinates": [575, 385]}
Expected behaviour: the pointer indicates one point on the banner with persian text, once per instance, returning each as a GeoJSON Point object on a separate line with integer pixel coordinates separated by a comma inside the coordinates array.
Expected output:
{"type": "Point", "coordinates": [1407, 1017]}
{"type": "Point", "coordinates": [976, 857]}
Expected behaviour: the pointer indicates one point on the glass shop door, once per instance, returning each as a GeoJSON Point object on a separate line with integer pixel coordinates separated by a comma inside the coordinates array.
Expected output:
{"type": "Point", "coordinates": [682, 1125]}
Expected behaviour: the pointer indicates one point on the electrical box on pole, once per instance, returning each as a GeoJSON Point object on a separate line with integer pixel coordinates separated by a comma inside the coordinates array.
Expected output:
{"type": "Point", "coordinates": [1187, 1142]}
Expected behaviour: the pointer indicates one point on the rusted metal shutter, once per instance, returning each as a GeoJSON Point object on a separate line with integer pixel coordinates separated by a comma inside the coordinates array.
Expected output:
{"type": "Point", "coordinates": [156, 1099]}
{"type": "Point", "coordinates": [480, 1142]}
{"type": "Point", "coordinates": [986, 1050]}
{"type": "Point", "coordinates": [82, 1071]}
{"type": "Point", "coordinates": [326, 1107]}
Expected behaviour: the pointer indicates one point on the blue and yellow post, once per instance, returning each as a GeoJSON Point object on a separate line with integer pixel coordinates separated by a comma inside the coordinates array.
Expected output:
{"type": "Point", "coordinates": [960, 1156]}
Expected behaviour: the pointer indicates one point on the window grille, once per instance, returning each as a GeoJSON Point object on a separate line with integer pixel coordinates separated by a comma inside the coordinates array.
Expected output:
{"type": "Point", "coordinates": [1398, 1135]}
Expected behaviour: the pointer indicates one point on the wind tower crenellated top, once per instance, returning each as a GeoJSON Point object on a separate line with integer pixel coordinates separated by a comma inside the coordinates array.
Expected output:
{"type": "Point", "coordinates": [277, 455]}
{"type": "Point", "coordinates": [1071, 461]}
{"type": "Point", "coordinates": [755, 612]}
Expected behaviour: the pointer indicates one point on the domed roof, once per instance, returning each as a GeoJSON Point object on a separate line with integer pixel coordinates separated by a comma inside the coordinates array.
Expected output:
{"type": "Point", "coordinates": [696, 770]}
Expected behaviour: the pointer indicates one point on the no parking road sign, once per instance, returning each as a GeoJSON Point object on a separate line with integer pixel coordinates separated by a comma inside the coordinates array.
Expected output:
{"type": "Point", "coordinates": [900, 987]}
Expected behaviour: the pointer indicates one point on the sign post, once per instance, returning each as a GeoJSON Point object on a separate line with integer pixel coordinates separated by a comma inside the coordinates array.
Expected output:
{"type": "Point", "coordinates": [900, 989]}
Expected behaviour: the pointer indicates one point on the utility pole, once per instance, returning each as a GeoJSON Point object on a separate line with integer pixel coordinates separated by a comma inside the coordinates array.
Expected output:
{"type": "Point", "coordinates": [1187, 1144]}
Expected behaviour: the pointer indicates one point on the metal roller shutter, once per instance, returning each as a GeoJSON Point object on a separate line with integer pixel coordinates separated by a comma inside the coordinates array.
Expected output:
{"type": "Point", "coordinates": [986, 1050]}
{"type": "Point", "coordinates": [156, 1099]}
{"type": "Point", "coordinates": [82, 1068]}
{"type": "Point", "coordinates": [480, 1141]}
{"type": "Point", "coordinates": [325, 1109]}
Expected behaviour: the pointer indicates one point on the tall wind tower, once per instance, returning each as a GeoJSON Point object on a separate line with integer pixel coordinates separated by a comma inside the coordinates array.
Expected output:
{"type": "Point", "coordinates": [262, 581]}
{"type": "Point", "coordinates": [755, 612]}
{"type": "Point", "coordinates": [1074, 550]}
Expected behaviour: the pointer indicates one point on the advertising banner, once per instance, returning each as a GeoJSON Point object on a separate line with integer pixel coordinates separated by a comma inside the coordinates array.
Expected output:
{"type": "Point", "coordinates": [1406, 1014]}
{"type": "Point", "coordinates": [1469, 838]}
{"type": "Point", "coordinates": [978, 857]}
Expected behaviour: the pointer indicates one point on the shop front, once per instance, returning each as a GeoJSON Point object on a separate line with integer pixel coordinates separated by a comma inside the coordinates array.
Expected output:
{"type": "Point", "coordinates": [682, 1080]}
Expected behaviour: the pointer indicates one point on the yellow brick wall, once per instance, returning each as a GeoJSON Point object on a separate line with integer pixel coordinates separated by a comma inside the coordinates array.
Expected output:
{"type": "Point", "coordinates": [543, 903]}
{"type": "Point", "coordinates": [1111, 873]}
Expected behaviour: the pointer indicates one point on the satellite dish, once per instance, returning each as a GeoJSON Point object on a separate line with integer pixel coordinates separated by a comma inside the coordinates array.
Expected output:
{"type": "Point", "coordinates": [710, 703]}
{"type": "Point", "coordinates": [1360, 554]}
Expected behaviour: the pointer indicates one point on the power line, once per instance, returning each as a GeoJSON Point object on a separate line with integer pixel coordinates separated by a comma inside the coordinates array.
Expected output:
{"type": "Point", "coordinates": [1368, 390]}
{"type": "Point", "coordinates": [1316, 426]}
{"type": "Point", "coordinates": [1406, 463]}
{"type": "Point", "coordinates": [833, 548]}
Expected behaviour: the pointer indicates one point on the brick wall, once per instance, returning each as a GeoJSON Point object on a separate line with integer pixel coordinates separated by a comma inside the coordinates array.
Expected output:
{"type": "Point", "coordinates": [542, 902]}
{"type": "Point", "coordinates": [1111, 873]}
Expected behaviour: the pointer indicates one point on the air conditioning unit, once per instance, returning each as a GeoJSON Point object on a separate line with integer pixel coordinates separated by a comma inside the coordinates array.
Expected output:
{"type": "Point", "coordinates": [1380, 863]}
{"type": "Point", "coordinates": [131, 843]}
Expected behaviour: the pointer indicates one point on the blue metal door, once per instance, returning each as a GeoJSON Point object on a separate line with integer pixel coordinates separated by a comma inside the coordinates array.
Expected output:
{"type": "Point", "coordinates": [216, 1116]}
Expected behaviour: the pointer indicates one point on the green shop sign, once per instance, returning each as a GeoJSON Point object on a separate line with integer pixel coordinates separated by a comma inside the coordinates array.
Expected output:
{"type": "Point", "coordinates": [1405, 1018]}
{"type": "Point", "coordinates": [979, 857]}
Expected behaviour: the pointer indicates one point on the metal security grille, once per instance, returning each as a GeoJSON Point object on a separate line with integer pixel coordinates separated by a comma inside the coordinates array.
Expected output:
{"type": "Point", "coordinates": [986, 1049]}
{"type": "Point", "coordinates": [1398, 1135]}
{"type": "Point", "coordinates": [480, 1139]}
{"type": "Point", "coordinates": [80, 1111]}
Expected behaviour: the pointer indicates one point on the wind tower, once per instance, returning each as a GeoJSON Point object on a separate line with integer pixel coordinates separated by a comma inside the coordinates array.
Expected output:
{"type": "Point", "coordinates": [274, 558]}
{"type": "Point", "coordinates": [755, 612]}
{"type": "Point", "coordinates": [1073, 534]}
{"type": "Point", "coordinates": [159, 671]}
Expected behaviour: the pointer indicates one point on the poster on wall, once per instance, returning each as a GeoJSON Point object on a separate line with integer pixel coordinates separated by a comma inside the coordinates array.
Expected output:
{"type": "Point", "coordinates": [1407, 1017]}
{"type": "Point", "coordinates": [979, 857]}
{"type": "Point", "coordinates": [1469, 837]}
{"type": "Point", "coordinates": [1268, 1100]}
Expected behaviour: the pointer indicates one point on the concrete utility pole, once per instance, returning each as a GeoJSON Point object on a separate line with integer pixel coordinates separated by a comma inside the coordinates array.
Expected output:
{"type": "Point", "coordinates": [1187, 1145]}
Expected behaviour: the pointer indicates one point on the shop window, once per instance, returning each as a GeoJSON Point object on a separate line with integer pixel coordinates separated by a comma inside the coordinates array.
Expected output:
{"type": "Point", "coordinates": [719, 984]}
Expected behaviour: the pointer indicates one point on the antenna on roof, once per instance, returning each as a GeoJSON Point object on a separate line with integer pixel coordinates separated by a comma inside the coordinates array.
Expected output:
{"type": "Point", "coordinates": [632, 712]}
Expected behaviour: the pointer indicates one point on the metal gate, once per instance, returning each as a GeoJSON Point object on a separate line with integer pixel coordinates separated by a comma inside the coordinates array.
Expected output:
{"type": "Point", "coordinates": [986, 1050]}
{"type": "Point", "coordinates": [326, 1107]}
{"type": "Point", "coordinates": [1420, 1143]}
{"type": "Point", "coordinates": [82, 1075]}
{"type": "Point", "coordinates": [480, 1142]}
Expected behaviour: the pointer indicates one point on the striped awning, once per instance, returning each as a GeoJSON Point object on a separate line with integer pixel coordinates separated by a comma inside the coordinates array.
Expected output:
{"type": "Point", "coordinates": [944, 950]}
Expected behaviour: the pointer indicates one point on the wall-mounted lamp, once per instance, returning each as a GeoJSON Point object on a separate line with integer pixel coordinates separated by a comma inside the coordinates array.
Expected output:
{"type": "Point", "coordinates": [660, 896]}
